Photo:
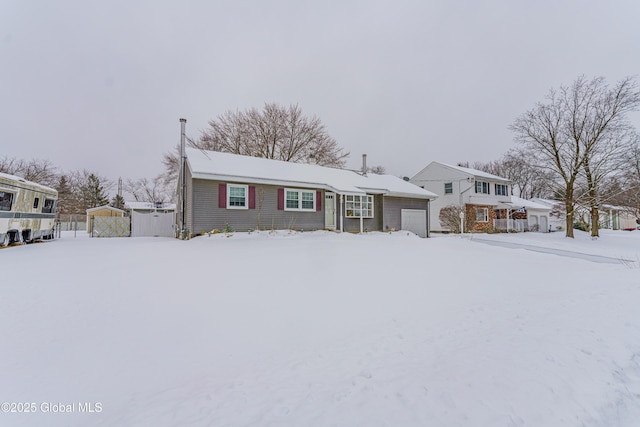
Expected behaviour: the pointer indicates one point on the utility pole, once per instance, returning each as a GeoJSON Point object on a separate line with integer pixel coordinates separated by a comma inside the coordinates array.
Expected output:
{"type": "Point", "coordinates": [183, 176]}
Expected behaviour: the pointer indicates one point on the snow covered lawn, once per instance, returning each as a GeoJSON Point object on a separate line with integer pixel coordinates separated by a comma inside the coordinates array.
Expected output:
{"type": "Point", "coordinates": [321, 329]}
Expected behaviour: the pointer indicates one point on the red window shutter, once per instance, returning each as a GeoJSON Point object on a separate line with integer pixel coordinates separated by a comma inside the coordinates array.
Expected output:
{"type": "Point", "coordinates": [252, 197]}
{"type": "Point", "coordinates": [318, 200]}
{"type": "Point", "coordinates": [280, 199]}
{"type": "Point", "coordinates": [222, 196]}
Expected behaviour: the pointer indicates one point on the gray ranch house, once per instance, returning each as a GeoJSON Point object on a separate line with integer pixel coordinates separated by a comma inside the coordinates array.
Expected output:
{"type": "Point", "coordinates": [230, 191]}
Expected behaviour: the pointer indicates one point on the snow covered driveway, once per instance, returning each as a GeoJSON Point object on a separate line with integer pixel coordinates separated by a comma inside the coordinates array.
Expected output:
{"type": "Point", "coordinates": [554, 251]}
{"type": "Point", "coordinates": [319, 329]}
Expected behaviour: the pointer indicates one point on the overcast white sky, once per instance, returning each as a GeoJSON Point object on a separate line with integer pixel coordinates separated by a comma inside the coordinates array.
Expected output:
{"type": "Point", "coordinates": [102, 84]}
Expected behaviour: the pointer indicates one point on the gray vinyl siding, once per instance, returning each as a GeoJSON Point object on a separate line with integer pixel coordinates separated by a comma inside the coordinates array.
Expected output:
{"type": "Point", "coordinates": [189, 201]}
{"type": "Point", "coordinates": [393, 207]}
{"type": "Point", "coordinates": [208, 216]}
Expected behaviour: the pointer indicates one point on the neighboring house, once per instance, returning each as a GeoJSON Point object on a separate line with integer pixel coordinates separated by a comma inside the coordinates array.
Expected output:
{"type": "Point", "coordinates": [528, 215]}
{"type": "Point", "coordinates": [152, 219]}
{"type": "Point", "coordinates": [611, 217]}
{"type": "Point", "coordinates": [487, 200]}
{"type": "Point", "coordinates": [556, 214]}
{"type": "Point", "coordinates": [617, 217]}
{"type": "Point", "coordinates": [486, 197]}
{"type": "Point", "coordinates": [241, 193]}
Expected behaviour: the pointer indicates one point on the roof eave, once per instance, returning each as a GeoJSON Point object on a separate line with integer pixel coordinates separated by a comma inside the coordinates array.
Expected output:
{"type": "Point", "coordinates": [279, 182]}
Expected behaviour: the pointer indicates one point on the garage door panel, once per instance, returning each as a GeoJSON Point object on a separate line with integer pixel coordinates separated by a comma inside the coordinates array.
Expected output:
{"type": "Point", "coordinates": [414, 220]}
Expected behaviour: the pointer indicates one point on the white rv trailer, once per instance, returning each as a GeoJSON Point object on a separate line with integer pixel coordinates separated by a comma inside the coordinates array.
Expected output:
{"type": "Point", "coordinates": [27, 210]}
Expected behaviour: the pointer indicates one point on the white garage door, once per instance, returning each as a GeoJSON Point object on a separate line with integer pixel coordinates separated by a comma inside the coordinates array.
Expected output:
{"type": "Point", "coordinates": [414, 220]}
{"type": "Point", "coordinates": [544, 224]}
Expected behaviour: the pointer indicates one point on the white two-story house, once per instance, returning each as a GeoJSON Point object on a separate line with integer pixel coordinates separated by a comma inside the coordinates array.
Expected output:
{"type": "Point", "coordinates": [486, 197]}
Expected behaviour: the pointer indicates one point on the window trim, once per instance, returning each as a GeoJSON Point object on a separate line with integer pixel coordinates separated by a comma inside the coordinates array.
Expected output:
{"type": "Point", "coordinates": [506, 189]}
{"type": "Point", "coordinates": [370, 202]}
{"type": "Point", "coordinates": [300, 192]}
{"type": "Point", "coordinates": [246, 196]}
{"type": "Point", "coordinates": [450, 184]}
{"type": "Point", "coordinates": [483, 184]}
{"type": "Point", "coordinates": [486, 214]}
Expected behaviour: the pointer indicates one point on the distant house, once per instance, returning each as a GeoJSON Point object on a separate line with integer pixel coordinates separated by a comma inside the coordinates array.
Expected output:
{"type": "Point", "coordinates": [152, 219]}
{"type": "Point", "coordinates": [557, 220]}
{"type": "Point", "coordinates": [617, 217]}
{"type": "Point", "coordinates": [610, 216]}
{"type": "Point", "coordinates": [234, 192]}
{"type": "Point", "coordinates": [487, 200]}
{"type": "Point", "coordinates": [486, 197]}
{"type": "Point", "coordinates": [534, 216]}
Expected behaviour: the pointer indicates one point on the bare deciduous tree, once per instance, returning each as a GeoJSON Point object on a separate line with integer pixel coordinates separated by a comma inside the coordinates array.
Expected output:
{"type": "Point", "coordinates": [154, 190]}
{"type": "Point", "coordinates": [449, 217]}
{"type": "Point", "coordinates": [564, 134]}
{"type": "Point", "coordinates": [275, 132]}
{"type": "Point", "coordinates": [527, 181]}
{"type": "Point", "coordinates": [601, 170]}
{"type": "Point", "coordinates": [377, 170]}
{"type": "Point", "coordinates": [36, 170]}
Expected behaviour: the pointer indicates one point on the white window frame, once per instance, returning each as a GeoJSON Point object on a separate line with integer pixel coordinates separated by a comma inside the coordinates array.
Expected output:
{"type": "Point", "coordinates": [300, 193]}
{"type": "Point", "coordinates": [450, 184]}
{"type": "Point", "coordinates": [485, 216]}
{"type": "Point", "coordinates": [353, 206]}
{"type": "Point", "coordinates": [506, 189]}
{"type": "Point", "coordinates": [246, 196]}
{"type": "Point", "coordinates": [482, 185]}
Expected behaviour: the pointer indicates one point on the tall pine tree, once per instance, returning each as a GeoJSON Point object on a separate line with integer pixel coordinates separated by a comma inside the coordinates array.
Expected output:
{"type": "Point", "coordinates": [93, 194]}
{"type": "Point", "coordinates": [65, 196]}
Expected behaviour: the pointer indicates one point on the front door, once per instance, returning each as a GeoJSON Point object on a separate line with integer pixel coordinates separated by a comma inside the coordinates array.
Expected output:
{"type": "Point", "coordinates": [330, 211]}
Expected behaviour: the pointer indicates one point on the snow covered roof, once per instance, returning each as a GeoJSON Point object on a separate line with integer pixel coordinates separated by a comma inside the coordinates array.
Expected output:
{"type": "Point", "coordinates": [547, 202]}
{"type": "Point", "coordinates": [233, 167]}
{"type": "Point", "coordinates": [149, 205]}
{"type": "Point", "coordinates": [518, 202]}
{"type": "Point", "coordinates": [475, 172]}
{"type": "Point", "coordinates": [97, 208]}
{"type": "Point", "coordinates": [31, 183]}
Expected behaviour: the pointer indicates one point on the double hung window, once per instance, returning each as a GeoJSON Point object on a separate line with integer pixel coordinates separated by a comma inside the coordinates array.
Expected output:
{"type": "Point", "coordinates": [448, 188]}
{"type": "Point", "coordinates": [237, 196]}
{"type": "Point", "coordinates": [300, 200]}
{"type": "Point", "coordinates": [501, 190]}
{"type": "Point", "coordinates": [482, 187]}
{"type": "Point", "coordinates": [482, 214]}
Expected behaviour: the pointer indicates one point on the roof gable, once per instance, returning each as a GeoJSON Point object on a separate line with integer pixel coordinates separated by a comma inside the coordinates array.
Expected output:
{"type": "Point", "coordinates": [476, 173]}
{"type": "Point", "coordinates": [467, 172]}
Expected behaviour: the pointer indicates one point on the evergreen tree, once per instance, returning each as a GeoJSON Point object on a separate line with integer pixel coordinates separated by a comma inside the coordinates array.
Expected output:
{"type": "Point", "coordinates": [93, 194]}
{"type": "Point", "coordinates": [118, 202]}
{"type": "Point", "coordinates": [65, 196]}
